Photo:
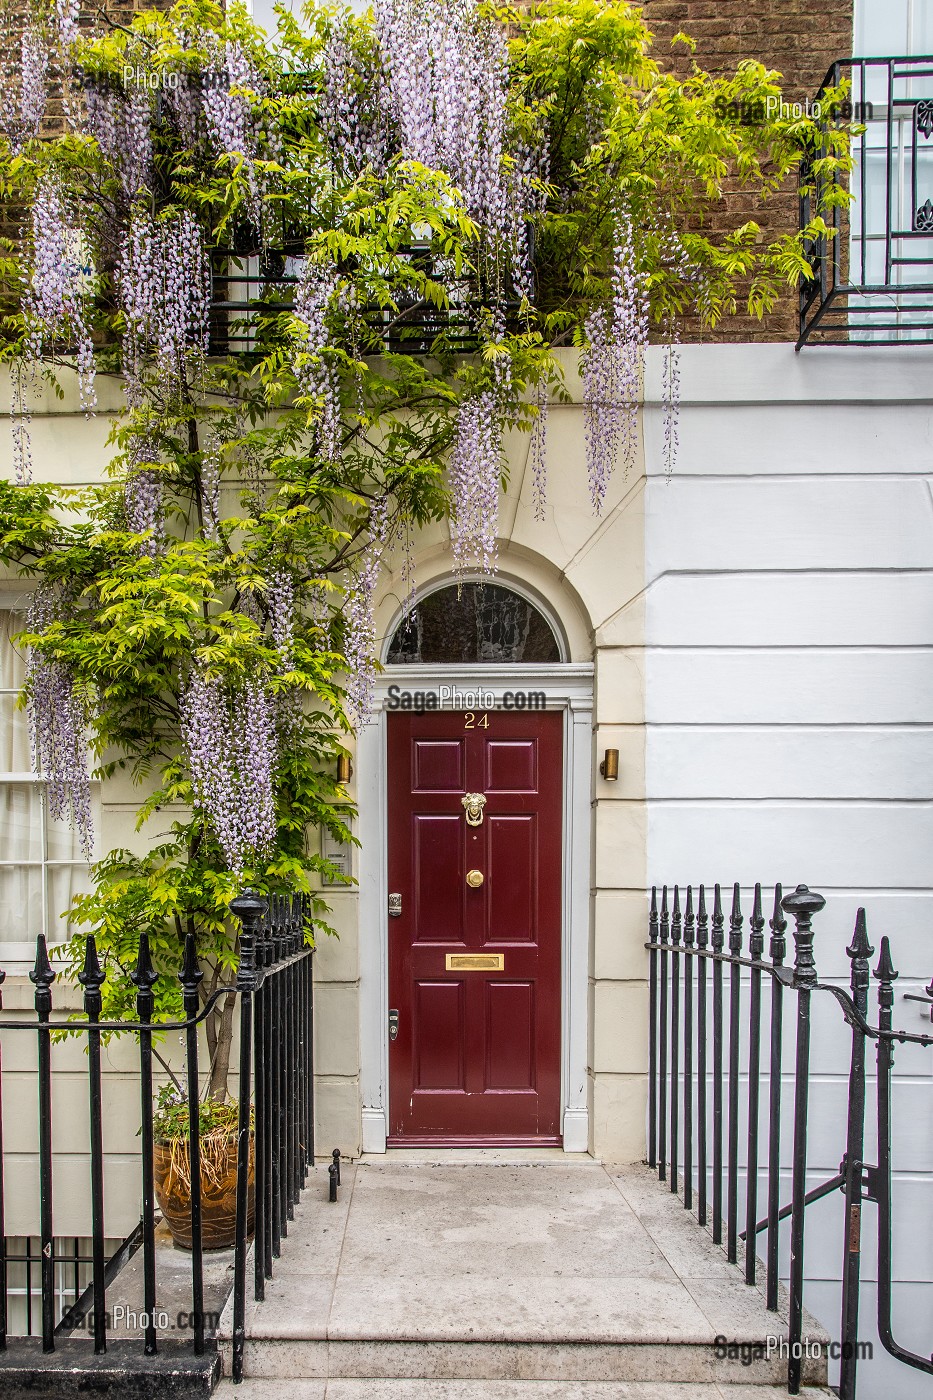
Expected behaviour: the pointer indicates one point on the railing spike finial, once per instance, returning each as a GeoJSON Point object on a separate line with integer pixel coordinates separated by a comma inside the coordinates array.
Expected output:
{"type": "Point", "coordinates": [250, 908]}
{"type": "Point", "coordinates": [778, 926]}
{"type": "Point", "coordinates": [91, 978]}
{"type": "Point", "coordinates": [886, 975]}
{"type": "Point", "coordinates": [676, 919]}
{"type": "Point", "coordinates": [756, 941]}
{"type": "Point", "coordinates": [665, 915]}
{"type": "Point", "coordinates": [144, 974]}
{"type": "Point", "coordinates": [689, 919]}
{"type": "Point", "coordinates": [718, 920]}
{"type": "Point", "coordinates": [735, 922]}
{"type": "Point", "coordinates": [42, 978]}
{"type": "Point", "coordinates": [702, 919]}
{"type": "Point", "coordinates": [802, 905]}
{"type": "Point", "coordinates": [859, 951]}
{"type": "Point", "coordinates": [191, 974]}
{"type": "Point", "coordinates": [653, 916]}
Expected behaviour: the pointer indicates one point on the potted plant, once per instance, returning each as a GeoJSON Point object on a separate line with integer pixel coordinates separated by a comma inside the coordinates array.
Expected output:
{"type": "Point", "coordinates": [217, 1134]}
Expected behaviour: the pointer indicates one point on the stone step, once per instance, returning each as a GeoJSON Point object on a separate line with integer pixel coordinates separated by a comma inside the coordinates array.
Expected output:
{"type": "Point", "coordinates": [611, 1364]}
{"type": "Point", "coordinates": [549, 1273]}
{"type": "Point", "coordinates": [344, 1388]}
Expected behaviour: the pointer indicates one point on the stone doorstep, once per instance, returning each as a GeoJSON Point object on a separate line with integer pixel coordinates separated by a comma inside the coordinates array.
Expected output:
{"type": "Point", "coordinates": [677, 1363]}
{"type": "Point", "coordinates": [345, 1388]}
{"type": "Point", "coordinates": [72, 1372]}
{"type": "Point", "coordinates": [415, 1274]}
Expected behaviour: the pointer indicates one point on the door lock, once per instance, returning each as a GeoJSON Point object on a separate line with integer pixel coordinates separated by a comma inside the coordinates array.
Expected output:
{"type": "Point", "coordinates": [393, 1024]}
{"type": "Point", "coordinates": [395, 906]}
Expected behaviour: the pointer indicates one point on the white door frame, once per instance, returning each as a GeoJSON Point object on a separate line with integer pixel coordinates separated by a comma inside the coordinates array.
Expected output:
{"type": "Point", "coordinates": [568, 688]}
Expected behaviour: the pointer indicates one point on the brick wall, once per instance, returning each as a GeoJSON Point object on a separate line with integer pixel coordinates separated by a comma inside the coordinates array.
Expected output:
{"type": "Point", "coordinates": [800, 42]}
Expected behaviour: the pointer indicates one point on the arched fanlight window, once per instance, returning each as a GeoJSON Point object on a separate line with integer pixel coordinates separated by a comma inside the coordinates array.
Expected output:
{"type": "Point", "coordinates": [475, 623]}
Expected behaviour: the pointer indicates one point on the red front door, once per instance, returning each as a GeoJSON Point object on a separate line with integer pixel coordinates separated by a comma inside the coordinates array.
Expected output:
{"type": "Point", "coordinates": [474, 955]}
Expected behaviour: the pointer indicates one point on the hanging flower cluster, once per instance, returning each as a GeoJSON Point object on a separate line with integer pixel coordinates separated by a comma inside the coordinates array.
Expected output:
{"type": "Point", "coordinates": [317, 375]}
{"type": "Point", "coordinates": [67, 14]}
{"type": "Point", "coordinates": [280, 600]}
{"type": "Point", "coordinates": [164, 284]}
{"type": "Point", "coordinates": [58, 717]}
{"type": "Point", "coordinates": [142, 497]}
{"type": "Point", "coordinates": [612, 368]}
{"type": "Point", "coordinates": [447, 70]}
{"type": "Point", "coordinates": [354, 107]}
{"type": "Point", "coordinates": [210, 485]}
{"type": "Point", "coordinates": [230, 742]}
{"type": "Point", "coordinates": [475, 469]}
{"type": "Point", "coordinates": [62, 280]}
{"type": "Point", "coordinates": [537, 451]}
{"type": "Point", "coordinates": [225, 103]}
{"type": "Point", "coordinates": [121, 124]}
{"type": "Point", "coordinates": [359, 639]}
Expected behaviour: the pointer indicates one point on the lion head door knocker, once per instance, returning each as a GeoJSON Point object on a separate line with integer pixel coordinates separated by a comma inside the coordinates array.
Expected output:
{"type": "Point", "coordinates": [473, 804]}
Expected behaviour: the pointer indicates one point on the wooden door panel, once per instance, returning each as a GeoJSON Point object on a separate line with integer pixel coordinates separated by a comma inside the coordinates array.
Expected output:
{"type": "Point", "coordinates": [437, 765]}
{"type": "Point", "coordinates": [510, 1035]}
{"type": "Point", "coordinates": [477, 1057]}
{"type": "Point", "coordinates": [439, 1026]}
{"type": "Point", "coordinates": [511, 765]}
{"type": "Point", "coordinates": [437, 878]}
{"type": "Point", "coordinates": [512, 863]}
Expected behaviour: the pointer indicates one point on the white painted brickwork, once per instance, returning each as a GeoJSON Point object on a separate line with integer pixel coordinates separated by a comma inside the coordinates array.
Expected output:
{"type": "Point", "coordinates": [789, 714]}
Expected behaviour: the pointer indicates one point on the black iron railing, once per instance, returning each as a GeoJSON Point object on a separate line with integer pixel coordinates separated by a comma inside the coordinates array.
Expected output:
{"type": "Point", "coordinates": [275, 1136]}
{"type": "Point", "coordinates": [252, 287]}
{"type": "Point", "coordinates": [873, 273]}
{"type": "Point", "coordinates": [693, 972]}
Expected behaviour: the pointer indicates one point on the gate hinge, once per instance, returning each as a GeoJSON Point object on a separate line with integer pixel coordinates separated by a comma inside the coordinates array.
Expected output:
{"type": "Point", "coordinates": [871, 1184]}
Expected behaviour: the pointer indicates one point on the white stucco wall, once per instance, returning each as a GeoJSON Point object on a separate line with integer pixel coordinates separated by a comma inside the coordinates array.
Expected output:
{"type": "Point", "coordinates": [789, 714]}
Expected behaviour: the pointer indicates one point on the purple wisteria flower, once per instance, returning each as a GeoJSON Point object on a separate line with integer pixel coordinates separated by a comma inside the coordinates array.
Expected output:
{"type": "Point", "coordinates": [359, 645]}
{"type": "Point", "coordinates": [230, 741]}
{"type": "Point", "coordinates": [317, 376]}
{"type": "Point", "coordinates": [537, 451]}
{"type": "Point", "coordinates": [210, 485]}
{"type": "Point", "coordinates": [474, 470]}
{"type": "Point", "coordinates": [448, 78]}
{"type": "Point", "coordinates": [164, 284]}
{"type": "Point", "coordinates": [121, 124]}
{"type": "Point", "coordinates": [62, 279]}
{"type": "Point", "coordinates": [142, 496]}
{"type": "Point", "coordinates": [67, 14]}
{"type": "Point", "coordinates": [280, 600]}
{"type": "Point", "coordinates": [612, 364]}
{"type": "Point", "coordinates": [59, 715]}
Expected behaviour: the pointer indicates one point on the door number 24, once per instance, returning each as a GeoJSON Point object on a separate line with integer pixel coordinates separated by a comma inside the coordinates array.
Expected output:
{"type": "Point", "coordinates": [470, 720]}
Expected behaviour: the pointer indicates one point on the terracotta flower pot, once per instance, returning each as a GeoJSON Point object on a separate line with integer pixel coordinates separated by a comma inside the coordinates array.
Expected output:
{"type": "Point", "coordinates": [218, 1192]}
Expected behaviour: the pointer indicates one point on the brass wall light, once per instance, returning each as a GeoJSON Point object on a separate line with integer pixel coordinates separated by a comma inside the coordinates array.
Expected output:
{"type": "Point", "coordinates": [609, 767]}
{"type": "Point", "coordinates": [344, 769]}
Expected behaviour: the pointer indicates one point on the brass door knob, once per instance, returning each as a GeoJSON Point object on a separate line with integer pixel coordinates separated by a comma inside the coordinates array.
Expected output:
{"type": "Point", "coordinates": [474, 879]}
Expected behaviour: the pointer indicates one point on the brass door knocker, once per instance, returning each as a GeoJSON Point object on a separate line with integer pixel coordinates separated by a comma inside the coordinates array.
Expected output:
{"type": "Point", "coordinates": [473, 804]}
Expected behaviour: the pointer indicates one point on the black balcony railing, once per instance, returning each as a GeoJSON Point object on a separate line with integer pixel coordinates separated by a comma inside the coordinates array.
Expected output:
{"type": "Point", "coordinates": [253, 284]}
{"type": "Point", "coordinates": [275, 1136]}
{"type": "Point", "coordinates": [873, 275]}
{"type": "Point", "coordinates": [709, 991]}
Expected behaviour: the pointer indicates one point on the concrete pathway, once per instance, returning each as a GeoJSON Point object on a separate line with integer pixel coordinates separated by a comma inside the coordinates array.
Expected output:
{"type": "Point", "coordinates": [528, 1275]}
